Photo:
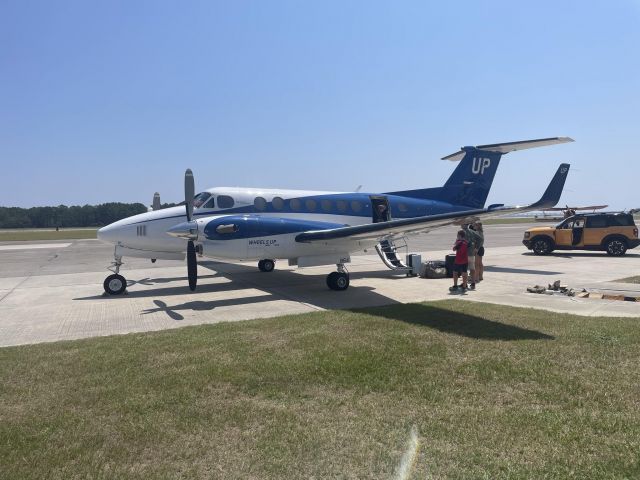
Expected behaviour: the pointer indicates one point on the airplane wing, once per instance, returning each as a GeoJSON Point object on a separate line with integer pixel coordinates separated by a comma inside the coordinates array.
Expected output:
{"type": "Point", "coordinates": [374, 233]}
{"type": "Point", "coordinates": [591, 207]}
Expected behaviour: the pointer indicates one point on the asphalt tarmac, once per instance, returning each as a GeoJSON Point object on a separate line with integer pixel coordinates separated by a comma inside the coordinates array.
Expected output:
{"type": "Point", "coordinates": [53, 290]}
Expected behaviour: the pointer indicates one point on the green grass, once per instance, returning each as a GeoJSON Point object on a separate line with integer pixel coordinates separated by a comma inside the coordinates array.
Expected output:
{"type": "Point", "coordinates": [47, 234]}
{"type": "Point", "coordinates": [494, 392]}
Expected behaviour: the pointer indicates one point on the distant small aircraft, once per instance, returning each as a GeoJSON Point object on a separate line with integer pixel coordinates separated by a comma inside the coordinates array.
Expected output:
{"type": "Point", "coordinates": [314, 228]}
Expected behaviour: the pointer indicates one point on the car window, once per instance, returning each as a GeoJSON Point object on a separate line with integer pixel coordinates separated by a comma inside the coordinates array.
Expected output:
{"type": "Point", "coordinates": [621, 220]}
{"type": "Point", "coordinates": [578, 223]}
{"type": "Point", "coordinates": [596, 222]}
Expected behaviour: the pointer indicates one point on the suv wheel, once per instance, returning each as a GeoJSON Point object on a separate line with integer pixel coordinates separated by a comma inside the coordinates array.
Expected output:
{"type": "Point", "coordinates": [541, 246]}
{"type": "Point", "coordinates": [616, 247]}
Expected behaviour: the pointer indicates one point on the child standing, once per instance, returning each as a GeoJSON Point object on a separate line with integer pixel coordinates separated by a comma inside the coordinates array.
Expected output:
{"type": "Point", "coordinates": [461, 263]}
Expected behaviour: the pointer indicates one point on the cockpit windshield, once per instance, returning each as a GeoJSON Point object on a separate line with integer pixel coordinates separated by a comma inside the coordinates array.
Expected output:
{"type": "Point", "coordinates": [200, 199]}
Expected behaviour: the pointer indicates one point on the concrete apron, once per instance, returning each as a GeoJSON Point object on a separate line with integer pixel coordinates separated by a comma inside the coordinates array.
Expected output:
{"type": "Point", "coordinates": [47, 308]}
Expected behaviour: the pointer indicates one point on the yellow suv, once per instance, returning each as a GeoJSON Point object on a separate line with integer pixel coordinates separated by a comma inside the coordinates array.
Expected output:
{"type": "Point", "coordinates": [611, 232]}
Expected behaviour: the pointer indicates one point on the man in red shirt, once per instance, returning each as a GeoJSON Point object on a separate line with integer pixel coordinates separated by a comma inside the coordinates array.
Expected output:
{"type": "Point", "coordinates": [461, 263]}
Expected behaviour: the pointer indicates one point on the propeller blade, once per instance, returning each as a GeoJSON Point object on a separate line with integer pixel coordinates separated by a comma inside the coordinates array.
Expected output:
{"type": "Point", "coordinates": [189, 192]}
{"type": "Point", "coordinates": [192, 266]}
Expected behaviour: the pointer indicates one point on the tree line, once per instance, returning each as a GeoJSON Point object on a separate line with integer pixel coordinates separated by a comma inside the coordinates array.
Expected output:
{"type": "Point", "coordinates": [65, 217]}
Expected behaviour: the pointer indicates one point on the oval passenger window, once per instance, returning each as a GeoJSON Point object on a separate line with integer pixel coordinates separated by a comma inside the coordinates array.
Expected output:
{"type": "Point", "coordinates": [260, 204]}
{"type": "Point", "coordinates": [295, 205]}
{"type": "Point", "coordinates": [278, 203]}
{"type": "Point", "coordinates": [225, 201]}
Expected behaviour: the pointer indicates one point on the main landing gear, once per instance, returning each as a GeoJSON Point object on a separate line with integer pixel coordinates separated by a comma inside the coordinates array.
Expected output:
{"type": "Point", "coordinates": [338, 280]}
{"type": "Point", "coordinates": [115, 284]}
{"type": "Point", "coordinates": [266, 265]}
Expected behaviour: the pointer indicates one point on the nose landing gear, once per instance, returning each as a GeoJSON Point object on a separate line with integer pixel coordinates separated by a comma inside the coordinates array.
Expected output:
{"type": "Point", "coordinates": [115, 284]}
{"type": "Point", "coordinates": [338, 280]}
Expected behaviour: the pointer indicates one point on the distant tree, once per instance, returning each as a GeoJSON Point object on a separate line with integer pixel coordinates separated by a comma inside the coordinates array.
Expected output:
{"type": "Point", "coordinates": [63, 216]}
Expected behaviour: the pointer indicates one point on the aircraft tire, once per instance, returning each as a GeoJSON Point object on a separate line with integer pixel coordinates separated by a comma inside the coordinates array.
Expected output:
{"type": "Point", "coordinates": [266, 265]}
{"type": "Point", "coordinates": [115, 284]}
{"type": "Point", "coordinates": [338, 281]}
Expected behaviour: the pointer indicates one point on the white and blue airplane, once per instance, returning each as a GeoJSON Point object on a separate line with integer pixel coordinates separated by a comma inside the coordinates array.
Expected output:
{"type": "Point", "coordinates": [309, 228]}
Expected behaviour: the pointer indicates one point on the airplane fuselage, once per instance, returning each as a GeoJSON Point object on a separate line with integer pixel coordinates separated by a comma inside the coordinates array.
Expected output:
{"type": "Point", "coordinates": [266, 220]}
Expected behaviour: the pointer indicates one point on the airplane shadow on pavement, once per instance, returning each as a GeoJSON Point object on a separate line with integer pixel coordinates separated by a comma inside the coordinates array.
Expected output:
{"type": "Point", "coordinates": [311, 290]}
{"type": "Point", "coordinates": [203, 306]}
{"type": "Point", "coordinates": [524, 271]}
{"type": "Point", "coordinates": [457, 323]}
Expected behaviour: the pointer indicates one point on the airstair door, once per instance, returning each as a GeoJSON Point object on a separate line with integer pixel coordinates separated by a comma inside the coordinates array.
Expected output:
{"type": "Point", "coordinates": [380, 210]}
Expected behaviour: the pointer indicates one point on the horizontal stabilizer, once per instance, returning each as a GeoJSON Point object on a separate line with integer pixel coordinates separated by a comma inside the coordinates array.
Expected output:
{"type": "Point", "coordinates": [508, 147]}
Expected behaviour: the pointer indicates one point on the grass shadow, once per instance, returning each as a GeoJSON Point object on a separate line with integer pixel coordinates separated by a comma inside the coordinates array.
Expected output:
{"type": "Point", "coordinates": [457, 323]}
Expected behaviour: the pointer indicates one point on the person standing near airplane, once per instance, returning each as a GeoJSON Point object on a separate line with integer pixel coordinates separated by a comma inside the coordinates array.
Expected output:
{"type": "Point", "coordinates": [479, 260]}
{"type": "Point", "coordinates": [473, 241]}
{"type": "Point", "coordinates": [461, 263]}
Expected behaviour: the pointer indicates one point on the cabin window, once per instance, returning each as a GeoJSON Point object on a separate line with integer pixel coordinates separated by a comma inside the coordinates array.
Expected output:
{"type": "Point", "coordinates": [295, 204]}
{"type": "Point", "coordinates": [200, 199]}
{"type": "Point", "coordinates": [356, 206]}
{"type": "Point", "coordinates": [341, 205]}
{"type": "Point", "coordinates": [225, 201]}
{"type": "Point", "coordinates": [227, 229]}
{"type": "Point", "coordinates": [402, 207]}
{"type": "Point", "coordinates": [326, 205]}
{"type": "Point", "coordinates": [278, 203]}
{"type": "Point", "coordinates": [209, 203]}
{"type": "Point", "coordinates": [260, 204]}
{"type": "Point", "coordinates": [310, 204]}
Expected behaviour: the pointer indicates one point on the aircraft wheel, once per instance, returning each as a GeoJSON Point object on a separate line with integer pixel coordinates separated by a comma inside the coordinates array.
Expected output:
{"type": "Point", "coordinates": [115, 284]}
{"type": "Point", "coordinates": [266, 265]}
{"type": "Point", "coordinates": [338, 281]}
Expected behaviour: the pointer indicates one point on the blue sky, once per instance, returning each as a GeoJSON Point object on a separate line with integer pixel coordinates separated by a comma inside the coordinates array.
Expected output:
{"type": "Point", "coordinates": [112, 100]}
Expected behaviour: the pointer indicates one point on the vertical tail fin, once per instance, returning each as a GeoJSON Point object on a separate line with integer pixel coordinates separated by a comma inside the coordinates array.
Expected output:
{"type": "Point", "coordinates": [471, 181]}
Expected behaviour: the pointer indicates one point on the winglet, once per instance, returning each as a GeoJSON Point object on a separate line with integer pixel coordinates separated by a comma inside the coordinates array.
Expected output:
{"type": "Point", "coordinates": [553, 192]}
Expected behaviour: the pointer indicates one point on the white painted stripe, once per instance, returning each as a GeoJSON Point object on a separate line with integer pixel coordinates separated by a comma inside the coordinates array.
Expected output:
{"type": "Point", "coordinates": [30, 246]}
{"type": "Point", "coordinates": [409, 456]}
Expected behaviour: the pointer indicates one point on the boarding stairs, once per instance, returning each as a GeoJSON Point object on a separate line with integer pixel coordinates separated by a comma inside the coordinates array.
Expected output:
{"type": "Point", "coordinates": [388, 251]}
